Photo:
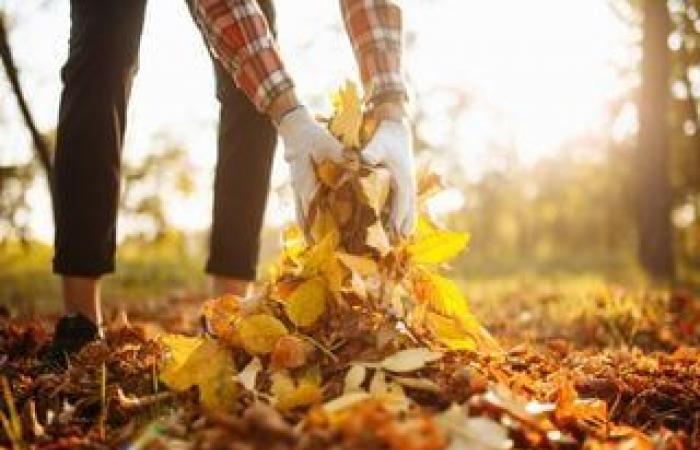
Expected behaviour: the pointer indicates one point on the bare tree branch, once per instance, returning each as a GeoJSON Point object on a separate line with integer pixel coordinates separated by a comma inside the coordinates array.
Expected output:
{"type": "Point", "coordinates": [40, 145]}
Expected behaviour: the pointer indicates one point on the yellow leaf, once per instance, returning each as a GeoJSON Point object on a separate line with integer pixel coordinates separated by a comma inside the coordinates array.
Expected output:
{"type": "Point", "coordinates": [358, 264]}
{"type": "Point", "coordinates": [435, 246]}
{"type": "Point", "coordinates": [221, 313]}
{"type": "Point", "coordinates": [329, 173]}
{"type": "Point", "coordinates": [319, 255]}
{"type": "Point", "coordinates": [347, 117]}
{"type": "Point", "coordinates": [447, 298]}
{"type": "Point", "coordinates": [293, 241]}
{"type": "Point", "coordinates": [325, 228]}
{"type": "Point", "coordinates": [203, 363]}
{"type": "Point", "coordinates": [287, 395]}
{"type": "Point", "coordinates": [307, 303]}
{"type": "Point", "coordinates": [450, 332]}
{"type": "Point", "coordinates": [259, 333]}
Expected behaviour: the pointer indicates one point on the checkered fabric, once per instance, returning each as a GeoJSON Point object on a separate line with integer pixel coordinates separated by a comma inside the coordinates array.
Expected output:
{"type": "Point", "coordinates": [375, 29]}
{"type": "Point", "coordinates": [240, 37]}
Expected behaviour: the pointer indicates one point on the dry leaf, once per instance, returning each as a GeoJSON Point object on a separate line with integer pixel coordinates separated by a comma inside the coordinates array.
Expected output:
{"type": "Point", "coordinates": [290, 352]}
{"type": "Point", "coordinates": [408, 360]}
{"type": "Point", "coordinates": [221, 314]}
{"type": "Point", "coordinates": [260, 332]}
{"type": "Point", "coordinates": [358, 264]}
{"type": "Point", "coordinates": [203, 363]}
{"type": "Point", "coordinates": [434, 246]}
{"type": "Point", "coordinates": [307, 303]}
{"type": "Point", "coordinates": [354, 378]}
{"type": "Point", "coordinates": [249, 375]}
{"type": "Point", "coordinates": [288, 395]}
{"type": "Point", "coordinates": [450, 332]}
{"type": "Point", "coordinates": [377, 239]}
{"type": "Point", "coordinates": [375, 187]}
{"type": "Point", "coordinates": [473, 433]}
{"type": "Point", "coordinates": [347, 120]}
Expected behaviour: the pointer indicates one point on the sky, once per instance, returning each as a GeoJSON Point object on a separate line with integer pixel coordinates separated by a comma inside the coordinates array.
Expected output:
{"type": "Point", "coordinates": [536, 74]}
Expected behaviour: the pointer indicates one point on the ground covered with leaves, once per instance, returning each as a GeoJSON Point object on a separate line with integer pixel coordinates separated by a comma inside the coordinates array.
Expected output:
{"type": "Point", "coordinates": [360, 339]}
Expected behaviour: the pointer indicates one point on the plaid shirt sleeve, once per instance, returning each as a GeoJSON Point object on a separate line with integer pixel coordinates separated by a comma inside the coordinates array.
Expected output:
{"type": "Point", "coordinates": [240, 37]}
{"type": "Point", "coordinates": [375, 29]}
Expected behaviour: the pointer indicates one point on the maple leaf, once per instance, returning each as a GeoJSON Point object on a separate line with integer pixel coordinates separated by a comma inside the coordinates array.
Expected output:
{"type": "Point", "coordinates": [347, 120]}
{"type": "Point", "coordinates": [200, 362]}
{"type": "Point", "coordinates": [260, 332]}
{"type": "Point", "coordinates": [307, 303]}
{"type": "Point", "coordinates": [434, 246]}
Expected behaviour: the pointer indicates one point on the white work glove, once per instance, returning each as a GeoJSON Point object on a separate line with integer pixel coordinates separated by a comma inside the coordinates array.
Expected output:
{"type": "Point", "coordinates": [305, 140]}
{"type": "Point", "coordinates": [391, 147]}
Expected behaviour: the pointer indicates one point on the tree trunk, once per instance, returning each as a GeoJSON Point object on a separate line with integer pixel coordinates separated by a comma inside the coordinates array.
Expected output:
{"type": "Point", "coordinates": [40, 145]}
{"type": "Point", "coordinates": [654, 194]}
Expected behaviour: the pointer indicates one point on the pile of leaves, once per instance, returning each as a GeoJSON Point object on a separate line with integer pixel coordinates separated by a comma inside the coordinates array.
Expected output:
{"type": "Point", "coordinates": [346, 295]}
{"type": "Point", "coordinates": [358, 340]}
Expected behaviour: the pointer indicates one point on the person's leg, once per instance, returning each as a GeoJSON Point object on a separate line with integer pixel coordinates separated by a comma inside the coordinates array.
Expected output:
{"type": "Point", "coordinates": [102, 60]}
{"type": "Point", "coordinates": [246, 144]}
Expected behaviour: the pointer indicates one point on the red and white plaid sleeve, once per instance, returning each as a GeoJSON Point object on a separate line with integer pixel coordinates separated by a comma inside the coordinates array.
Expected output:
{"type": "Point", "coordinates": [375, 29]}
{"type": "Point", "coordinates": [240, 37]}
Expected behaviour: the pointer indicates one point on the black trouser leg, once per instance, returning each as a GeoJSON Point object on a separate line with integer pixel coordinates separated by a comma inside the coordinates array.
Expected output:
{"type": "Point", "coordinates": [102, 61]}
{"type": "Point", "coordinates": [247, 141]}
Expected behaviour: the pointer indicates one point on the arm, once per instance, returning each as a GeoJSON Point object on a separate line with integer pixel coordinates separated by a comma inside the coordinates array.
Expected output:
{"type": "Point", "coordinates": [375, 29]}
{"type": "Point", "coordinates": [240, 38]}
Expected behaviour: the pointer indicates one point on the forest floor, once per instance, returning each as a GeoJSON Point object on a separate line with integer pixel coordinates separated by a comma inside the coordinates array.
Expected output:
{"type": "Point", "coordinates": [584, 365]}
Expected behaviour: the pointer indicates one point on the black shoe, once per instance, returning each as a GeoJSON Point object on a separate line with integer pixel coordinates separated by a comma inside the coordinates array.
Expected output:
{"type": "Point", "coordinates": [72, 333]}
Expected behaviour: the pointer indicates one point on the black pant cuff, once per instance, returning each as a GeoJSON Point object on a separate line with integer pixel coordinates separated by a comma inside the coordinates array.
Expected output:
{"type": "Point", "coordinates": [240, 272]}
{"type": "Point", "coordinates": [82, 270]}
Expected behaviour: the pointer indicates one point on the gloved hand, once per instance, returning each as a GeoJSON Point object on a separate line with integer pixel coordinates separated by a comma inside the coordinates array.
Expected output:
{"type": "Point", "coordinates": [305, 142]}
{"type": "Point", "coordinates": [391, 147]}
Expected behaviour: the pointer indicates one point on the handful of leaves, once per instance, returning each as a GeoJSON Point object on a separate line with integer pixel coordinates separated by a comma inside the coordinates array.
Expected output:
{"type": "Point", "coordinates": [351, 295]}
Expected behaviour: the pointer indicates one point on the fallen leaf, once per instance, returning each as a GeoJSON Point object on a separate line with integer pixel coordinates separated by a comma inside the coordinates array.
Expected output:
{"type": "Point", "coordinates": [290, 352]}
{"type": "Point", "coordinates": [259, 333]}
{"type": "Point", "coordinates": [354, 378]}
{"type": "Point", "coordinates": [307, 303]}
{"type": "Point", "coordinates": [473, 433]}
{"type": "Point", "coordinates": [409, 360]}
{"type": "Point", "coordinates": [450, 332]}
{"type": "Point", "coordinates": [345, 401]}
{"type": "Point", "coordinates": [248, 376]}
{"type": "Point", "coordinates": [434, 246]}
{"type": "Point", "coordinates": [203, 363]}
{"type": "Point", "coordinates": [288, 395]}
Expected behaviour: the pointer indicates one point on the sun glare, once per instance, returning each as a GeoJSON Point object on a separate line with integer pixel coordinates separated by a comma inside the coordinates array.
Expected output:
{"type": "Point", "coordinates": [533, 75]}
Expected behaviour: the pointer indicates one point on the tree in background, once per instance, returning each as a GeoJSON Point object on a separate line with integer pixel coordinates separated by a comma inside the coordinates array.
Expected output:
{"type": "Point", "coordinates": [654, 195]}
{"type": "Point", "coordinates": [685, 134]}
